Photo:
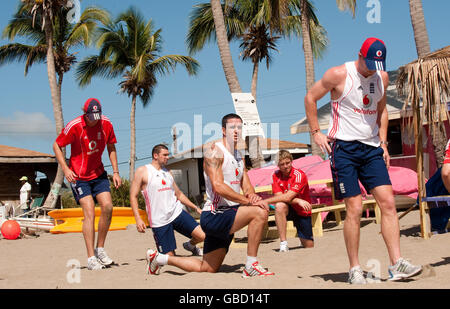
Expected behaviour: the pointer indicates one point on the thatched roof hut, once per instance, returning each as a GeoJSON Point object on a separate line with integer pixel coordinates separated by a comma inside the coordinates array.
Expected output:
{"type": "Point", "coordinates": [426, 84]}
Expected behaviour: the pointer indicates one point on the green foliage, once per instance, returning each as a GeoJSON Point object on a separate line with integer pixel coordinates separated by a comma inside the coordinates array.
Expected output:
{"type": "Point", "coordinates": [67, 199]}
{"type": "Point", "coordinates": [66, 36]}
{"type": "Point", "coordinates": [121, 196]}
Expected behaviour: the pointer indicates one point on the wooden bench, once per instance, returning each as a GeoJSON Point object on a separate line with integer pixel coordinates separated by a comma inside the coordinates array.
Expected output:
{"type": "Point", "coordinates": [317, 209]}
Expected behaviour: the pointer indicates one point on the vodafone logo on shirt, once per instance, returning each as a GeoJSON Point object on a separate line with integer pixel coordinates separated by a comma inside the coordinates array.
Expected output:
{"type": "Point", "coordinates": [92, 147]}
{"type": "Point", "coordinates": [367, 100]}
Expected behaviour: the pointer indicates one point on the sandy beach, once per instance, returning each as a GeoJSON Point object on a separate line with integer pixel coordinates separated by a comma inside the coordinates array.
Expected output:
{"type": "Point", "coordinates": [58, 261]}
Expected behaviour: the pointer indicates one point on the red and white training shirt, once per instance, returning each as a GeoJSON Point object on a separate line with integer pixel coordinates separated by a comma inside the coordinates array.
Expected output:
{"type": "Point", "coordinates": [354, 115]}
{"type": "Point", "coordinates": [297, 182]}
{"type": "Point", "coordinates": [86, 146]}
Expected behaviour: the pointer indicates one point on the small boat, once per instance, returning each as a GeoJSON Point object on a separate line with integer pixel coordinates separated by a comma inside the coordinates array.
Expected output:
{"type": "Point", "coordinates": [40, 223]}
{"type": "Point", "coordinates": [70, 220]}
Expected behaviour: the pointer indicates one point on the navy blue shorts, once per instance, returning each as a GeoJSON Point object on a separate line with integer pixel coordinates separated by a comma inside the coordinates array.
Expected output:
{"type": "Point", "coordinates": [353, 161]}
{"type": "Point", "coordinates": [302, 224]}
{"type": "Point", "coordinates": [92, 187]}
{"type": "Point", "coordinates": [165, 236]}
{"type": "Point", "coordinates": [217, 226]}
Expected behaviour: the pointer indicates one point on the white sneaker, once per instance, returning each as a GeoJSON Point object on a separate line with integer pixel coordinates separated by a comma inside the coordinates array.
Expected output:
{"type": "Point", "coordinates": [256, 270]}
{"type": "Point", "coordinates": [152, 266]}
{"type": "Point", "coordinates": [94, 264]}
{"type": "Point", "coordinates": [195, 250]}
{"type": "Point", "coordinates": [103, 257]}
{"type": "Point", "coordinates": [402, 269]}
{"type": "Point", "coordinates": [356, 276]}
{"type": "Point", "coordinates": [284, 247]}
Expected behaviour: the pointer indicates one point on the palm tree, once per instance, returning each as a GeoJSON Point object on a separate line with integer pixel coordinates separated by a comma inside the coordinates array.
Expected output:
{"type": "Point", "coordinates": [44, 24]}
{"type": "Point", "coordinates": [129, 47]}
{"type": "Point", "coordinates": [66, 37]}
{"type": "Point", "coordinates": [256, 46]}
{"type": "Point", "coordinates": [437, 128]}
{"type": "Point", "coordinates": [310, 29]}
{"type": "Point", "coordinates": [224, 47]}
{"type": "Point", "coordinates": [255, 22]}
{"type": "Point", "coordinates": [44, 11]}
{"type": "Point", "coordinates": [419, 27]}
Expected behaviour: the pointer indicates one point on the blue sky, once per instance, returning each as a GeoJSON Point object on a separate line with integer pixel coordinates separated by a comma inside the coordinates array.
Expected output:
{"type": "Point", "coordinates": [26, 116]}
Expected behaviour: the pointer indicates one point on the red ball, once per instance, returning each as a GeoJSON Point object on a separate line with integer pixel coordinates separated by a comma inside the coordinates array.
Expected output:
{"type": "Point", "coordinates": [10, 229]}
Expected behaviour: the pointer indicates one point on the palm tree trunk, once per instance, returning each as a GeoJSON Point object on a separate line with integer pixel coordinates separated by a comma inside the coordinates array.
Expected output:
{"type": "Point", "coordinates": [255, 78]}
{"type": "Point", "coordinates": [419, 27]}
{"type": "Point", "coordinates": [228, 67]}
{"type": "Point", "coordinates": [436, 131]}
{"type": "Point", "coordinates": [57, 109]}
{"type": "Point", "coordinates": [309, 64]}
{"type": "Point", "coordinates": [224, 47]}
{"type": "Point", "coordinates": [132, 138]}
{"type": "Point", "coordinates": [253, 142]}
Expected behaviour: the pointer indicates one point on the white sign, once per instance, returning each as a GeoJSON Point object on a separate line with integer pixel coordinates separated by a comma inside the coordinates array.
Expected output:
{"type": "Point", "coordinates": [245, 106]}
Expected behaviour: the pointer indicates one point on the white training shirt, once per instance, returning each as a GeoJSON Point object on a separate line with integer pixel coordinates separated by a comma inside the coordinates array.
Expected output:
{"type": "Point", "coordinates": [233, 170]}
{"type": "Point", "coordinates": [354, 114]}
{"type": "Point", "coordinates": [24, 195]}
{"type": "Point", "coordinates": [162, 205]}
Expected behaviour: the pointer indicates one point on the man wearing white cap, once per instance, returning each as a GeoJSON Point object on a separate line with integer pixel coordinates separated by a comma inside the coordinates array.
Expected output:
{"type": "Point", "coordinates": [25, 195]}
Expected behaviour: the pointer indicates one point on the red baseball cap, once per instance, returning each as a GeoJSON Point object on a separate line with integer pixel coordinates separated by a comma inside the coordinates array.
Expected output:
{"type": "Point", "coordinates": [374, 52]}
{"type": "Point", "coordinates": [93, 109]}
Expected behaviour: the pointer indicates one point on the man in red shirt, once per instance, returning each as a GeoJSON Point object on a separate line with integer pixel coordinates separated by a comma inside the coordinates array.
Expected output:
{"type": "Point", "coordinates": [88, 135]}
{"type": "Point", "coordinates": [292, 201]}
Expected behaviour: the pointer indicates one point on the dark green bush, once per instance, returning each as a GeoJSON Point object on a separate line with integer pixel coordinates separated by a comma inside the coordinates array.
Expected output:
{"type": "Point", "coordinates": [120, 196]}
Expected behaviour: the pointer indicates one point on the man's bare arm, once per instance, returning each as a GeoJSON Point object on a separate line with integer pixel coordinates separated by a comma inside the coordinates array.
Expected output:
{"type": "Point", "coordinates": [383, 119]}
{"type": "Point", "coordinates": [331, 79]}
{"type": "Point", "coordinates": [282, 197]}
{"type": "Point", "coordinates": [135, 189]}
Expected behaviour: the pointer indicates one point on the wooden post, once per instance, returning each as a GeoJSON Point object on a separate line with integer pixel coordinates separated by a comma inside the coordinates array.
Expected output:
{"type": "Point", "coordinates": [419, 164]}
{"type": "Point", "coordinates": [337, 213]}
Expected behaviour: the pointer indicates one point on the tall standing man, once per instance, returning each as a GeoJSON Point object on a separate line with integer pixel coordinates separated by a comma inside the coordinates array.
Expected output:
{"type": "Point", "coordinates": [88, 135]}
{"type": "Point", "coordinates": [357, 144]}
{"type": "Point", "coordinates": [164, 205]}
{"type": "Point", "coordinates": [226, 210]}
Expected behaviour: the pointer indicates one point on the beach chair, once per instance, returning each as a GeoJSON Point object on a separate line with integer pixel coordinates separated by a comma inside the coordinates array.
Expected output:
{"type": "Point", "coordinates": [37, 202]}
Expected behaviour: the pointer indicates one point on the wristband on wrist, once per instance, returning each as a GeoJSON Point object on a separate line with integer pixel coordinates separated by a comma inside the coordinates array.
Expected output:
{"type": "Point", "coordinates": [384, 142]}
{"type": "Point", "coordinates": [314, 131]}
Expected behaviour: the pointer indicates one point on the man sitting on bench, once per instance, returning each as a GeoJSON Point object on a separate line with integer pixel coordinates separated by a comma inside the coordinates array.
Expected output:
{"type": "Point", "coordinates": [292, 202]}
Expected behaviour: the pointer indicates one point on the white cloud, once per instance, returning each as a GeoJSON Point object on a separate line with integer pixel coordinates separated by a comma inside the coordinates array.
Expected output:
{"type": "Point", "coordinates": [28, 125]}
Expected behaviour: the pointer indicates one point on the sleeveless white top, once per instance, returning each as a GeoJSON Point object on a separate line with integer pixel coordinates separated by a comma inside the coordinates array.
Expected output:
{"type": "Point", "coordinates": [233, 170]}
{"type": "Point", "coordinates": [161, 202]}
{"type": "Point", "coordinates": [354, 115]}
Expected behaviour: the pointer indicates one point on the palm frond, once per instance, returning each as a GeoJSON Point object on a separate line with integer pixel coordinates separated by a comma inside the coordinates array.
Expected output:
{"type": "Point", "coordinates": [166, 64]}
{"type": "Point", "coordinates": [95, 66]}
{"type": "Point", "coordinates": [19, 52]}
{"type": "Point", "coordinates": [347, 5]}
